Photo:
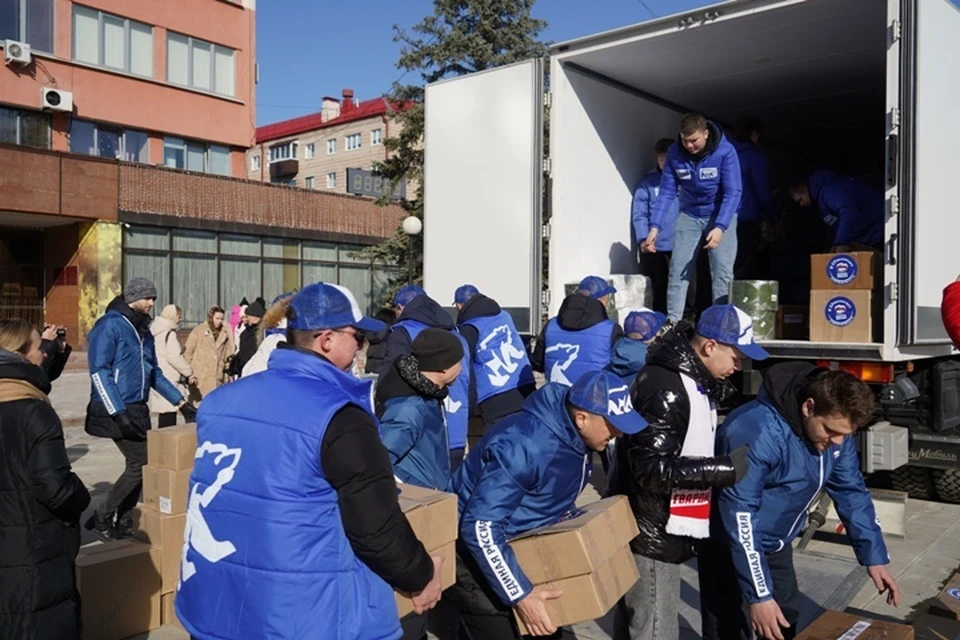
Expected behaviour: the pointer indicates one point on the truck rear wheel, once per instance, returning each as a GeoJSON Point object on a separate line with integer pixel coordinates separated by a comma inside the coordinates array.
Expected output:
{"type": "Point", "coordinates": [916, 481]}
{"type": "Point", "coordinates": [947, 483]}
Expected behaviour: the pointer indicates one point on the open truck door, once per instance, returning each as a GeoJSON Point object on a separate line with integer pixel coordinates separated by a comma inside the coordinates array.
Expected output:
{"type": "Point", "coordinates": [482, 200]}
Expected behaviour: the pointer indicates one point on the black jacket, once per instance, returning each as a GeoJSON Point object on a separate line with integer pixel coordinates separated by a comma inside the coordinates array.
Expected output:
{"type": "Point", "coordinates": [41, 500]}
{"type": "Point", "coordinates": [422, 309]}
{"type": "Point", "coordinates": [248, 348]}
{"type": "Point", "coordinates": [577, 312]}
{"type": "Point", "coordinates": [376, 351]}
{"type": "Point", "coordinates": [503, 404]}
{"type": "Point", "coordinates": [649, 465]}
{"type": "Point", "coordinates": [54, 358]}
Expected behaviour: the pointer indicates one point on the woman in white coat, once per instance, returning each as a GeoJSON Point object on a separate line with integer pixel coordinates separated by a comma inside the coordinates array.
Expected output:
{"type": "Point", "coordinates": [172, 363]}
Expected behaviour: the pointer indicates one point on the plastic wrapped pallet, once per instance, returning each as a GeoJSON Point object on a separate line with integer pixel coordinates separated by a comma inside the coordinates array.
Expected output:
{"type": "Point", "coordinates": [634, 292]}
{"type": "Point", "coordinates": [759, 300]}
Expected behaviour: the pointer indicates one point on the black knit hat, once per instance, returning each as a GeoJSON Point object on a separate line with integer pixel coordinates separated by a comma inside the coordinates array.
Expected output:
{"type": "Point", "coordinates": [255, 309]}
{"type": "Point", "coordinates": [437, 350]}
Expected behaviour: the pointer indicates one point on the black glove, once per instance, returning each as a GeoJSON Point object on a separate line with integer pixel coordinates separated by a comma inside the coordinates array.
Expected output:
{"type": "Point", "coordinates": [189, 412]}
{"type": "Point", "coordinates": [127, 429]}
{"type": "Point", "coordinates": [738, 458]}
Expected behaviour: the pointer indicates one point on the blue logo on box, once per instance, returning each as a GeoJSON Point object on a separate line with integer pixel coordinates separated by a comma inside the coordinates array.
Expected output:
{"type": "Point", "coordinates": [840, 311]}
{"type": "Point", "coordinates": [954, 593]}
{"type": "Point", "coordinates": [842, 269]}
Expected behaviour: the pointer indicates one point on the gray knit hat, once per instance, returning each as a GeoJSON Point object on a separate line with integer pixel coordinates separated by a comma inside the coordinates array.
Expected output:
{"type": "Point", "coordinates": [139, 289]}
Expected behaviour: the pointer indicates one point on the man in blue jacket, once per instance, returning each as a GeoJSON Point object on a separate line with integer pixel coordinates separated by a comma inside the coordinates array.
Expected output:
{"type": "Point", "coordinates": [308, 540]}
{"type": "Point", "coordinates": [502, 376]}
{"type": "Point", "coordinates": [756, 201]}
{"type": "Point", "coordinates": [123, 368]}
{"type": "Point", "coordinates": [850, 207]}
{"type": "Point", "coordinates": [655, 264]}
{"type": "Point", "coordinates": [703, 168]}
{"type": "Point", "coordinates": [798, 431]}
{"type": "Point", "coordinates": [526, 473]}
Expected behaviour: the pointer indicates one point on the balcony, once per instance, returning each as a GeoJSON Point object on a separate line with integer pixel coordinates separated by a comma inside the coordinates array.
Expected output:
{"type": "Point", "coordinates": [284, 168]}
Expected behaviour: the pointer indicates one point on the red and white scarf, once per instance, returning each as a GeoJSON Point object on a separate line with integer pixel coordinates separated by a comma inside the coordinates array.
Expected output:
{"type": "Point", "coordinates": [690, 508]}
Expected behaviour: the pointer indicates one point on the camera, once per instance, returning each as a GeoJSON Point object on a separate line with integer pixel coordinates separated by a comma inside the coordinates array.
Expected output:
{"type": "Point", "coordinates": [61, 333]}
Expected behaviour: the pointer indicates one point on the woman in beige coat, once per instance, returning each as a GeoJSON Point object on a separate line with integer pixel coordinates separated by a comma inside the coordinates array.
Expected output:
{"type": "Point", "coordinates": [174, 366]}
{"type": "Point", "coordinates": [209, 349]}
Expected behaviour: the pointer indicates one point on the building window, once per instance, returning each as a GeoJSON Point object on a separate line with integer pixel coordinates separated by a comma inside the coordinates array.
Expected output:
{"type": "Point", "coordinates": [200, 65]}
{"type": "Point", "coordinates": [284, 181]}
{"type": "Point", "coordinates": [196, 156]}
{"type": "Point", "coordinates": [309, 151]}
{"type": "Point", "coordinates": [29, 21]}
{"type": "Point", "coordinates": [376, 137]}
{"type": "Point", "coordinates": [331, 146]}
{"type": "Point", "coordinates": [255, 163]}
{"type": "Point", "coordinates": [112, 42]}
{"type": "Point", "coordinates": [332, 180]}
{"type": "Point", "coordinates": [27, 128]}
{"type": "Point", "coordinates": [309, 182]}
{"type": "Point", "coordinates": [99, 140]}
{"type": "Point", "coordinates": [285, 151]}
{"type": "Point", "coordinates": [353, 142]}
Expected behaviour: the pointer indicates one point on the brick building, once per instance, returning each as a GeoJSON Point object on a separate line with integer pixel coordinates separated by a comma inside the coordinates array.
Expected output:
{"type": "Point", "coordinates": [331, 150]}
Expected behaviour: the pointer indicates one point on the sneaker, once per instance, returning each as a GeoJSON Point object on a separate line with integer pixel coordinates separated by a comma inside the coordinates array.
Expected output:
{"type": "Point", "coordinates": [103, 527]}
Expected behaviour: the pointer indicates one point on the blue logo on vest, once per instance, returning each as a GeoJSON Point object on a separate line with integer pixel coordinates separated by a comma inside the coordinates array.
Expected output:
{"type": "Point", "coordinates": [842, 269]}
{"type": "Point", "coordinates": [505, 358]}
{"type": "Point", "coordinates": [840, 311]}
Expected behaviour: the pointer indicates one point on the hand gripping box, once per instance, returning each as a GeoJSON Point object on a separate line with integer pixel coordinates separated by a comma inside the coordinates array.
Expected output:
{"type": "Point", "coordinates": [434, 519]}
{"type": "Point", "coordinates": [834, 625]}
{"type": "Point", "coordinates": [586, 555]}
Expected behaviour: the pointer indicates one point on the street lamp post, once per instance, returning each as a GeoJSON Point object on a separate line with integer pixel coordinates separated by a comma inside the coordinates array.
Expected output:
{"type": "Point", "coordinates": [412, 226]}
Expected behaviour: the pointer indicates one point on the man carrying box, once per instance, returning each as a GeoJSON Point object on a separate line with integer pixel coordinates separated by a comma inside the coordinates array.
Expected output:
{"type": "Point", "coordinates": [850, 207]}
{"type": "Point", "coordinates": [798, 432]}
{"type": "Point", "coordinates": [308, 539]}
{"type": "Point", "coordinates": [525, 473]}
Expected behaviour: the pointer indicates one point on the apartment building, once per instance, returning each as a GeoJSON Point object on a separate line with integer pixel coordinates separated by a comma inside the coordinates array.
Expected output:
{"type": "Point", "coordinates": [332, 150]}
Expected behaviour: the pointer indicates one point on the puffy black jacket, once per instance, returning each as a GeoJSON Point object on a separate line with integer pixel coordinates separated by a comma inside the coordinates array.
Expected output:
{"type": "Point", "coordinates": [649, 465]}
{"type": "Point", "coordinates": [41, 500]}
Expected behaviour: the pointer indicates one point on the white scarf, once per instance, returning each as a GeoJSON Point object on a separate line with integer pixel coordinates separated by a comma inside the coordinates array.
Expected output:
{"type": "Point", "coordinates": [690, 508]}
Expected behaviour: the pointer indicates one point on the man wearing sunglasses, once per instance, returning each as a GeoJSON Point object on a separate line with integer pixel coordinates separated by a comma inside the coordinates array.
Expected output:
{"type": "Point", "coordinates": [309, 522]}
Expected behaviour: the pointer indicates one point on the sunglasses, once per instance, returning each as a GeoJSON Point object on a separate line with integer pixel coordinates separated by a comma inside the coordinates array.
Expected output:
{"type": "Point", "coordinates": [359, 336]}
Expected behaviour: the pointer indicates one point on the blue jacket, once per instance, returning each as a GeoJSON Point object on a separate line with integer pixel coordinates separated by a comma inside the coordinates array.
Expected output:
{"type": "Point", "coordinates": [643, 198]}
{"type": "Point", "coordinates": [756, 201]}
{"type": "Point", "coordinates": [273, 560]}
{"type": "Point", "coordinates": [766, 510]}
{"type": "Point", "coordinates": [123, 363]}
{"type": "Point", "coordinates": [851, 207]}
{"type": "Point", "coordinates": [709, 187]}
{"type": "Point", "coordinates": [629, 356]}
{"type": "Point", "coordinates": [500, 362]}
{"type": "Point", "coordinates": [525, 473]}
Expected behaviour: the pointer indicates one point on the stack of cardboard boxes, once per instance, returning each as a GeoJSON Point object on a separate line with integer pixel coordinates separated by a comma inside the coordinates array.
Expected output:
{"type": "Point", "coordinates": [845, 296]}
{"type": "Point", "coordinates": [433, 517]}
{"type": "Point", "coordinates": [161, 520]}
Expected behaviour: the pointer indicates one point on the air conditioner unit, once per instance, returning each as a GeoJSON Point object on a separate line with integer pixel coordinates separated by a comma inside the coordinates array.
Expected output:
{"type": "Point", "coordinates": [17, 52]}
{"type": "Point", "coordinates": [56, 100]}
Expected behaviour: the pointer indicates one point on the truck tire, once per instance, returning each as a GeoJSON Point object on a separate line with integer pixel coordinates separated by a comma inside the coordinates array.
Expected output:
{"type": "Point", "coordinates": [948, 484]}
{"type": "Point", "coordinates": [916, 481]}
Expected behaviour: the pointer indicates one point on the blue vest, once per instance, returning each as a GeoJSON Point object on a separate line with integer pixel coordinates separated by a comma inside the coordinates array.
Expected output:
{"type": "Point", "coordinates": [457, 403]}
{"type": "Point", "coordinates": [570, 354]}
{"type": "Point", "coordinates": [500, 362]}
{"type": "Point", "coordinates": [268, 557]}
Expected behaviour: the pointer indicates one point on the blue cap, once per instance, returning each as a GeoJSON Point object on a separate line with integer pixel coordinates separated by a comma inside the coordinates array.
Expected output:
{"type": "Point", "coordinates": [464, 293]}
{"type": "Point", "coordinates": [329, 306]}
{"type": "Point", "coordinates": [729, 325]}
{"type": "Point", "coordinates": [406, 294]}
{"type": "Point", "coordinates": [596, 287]}
{"type": "Point", "coordinates": [646, 322]}
{"type": "Point", "coordinates": [604, 394]}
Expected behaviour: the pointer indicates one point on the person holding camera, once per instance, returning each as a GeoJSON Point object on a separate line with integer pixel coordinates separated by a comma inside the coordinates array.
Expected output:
{"type": "Point", "coordinates": [55, 350]}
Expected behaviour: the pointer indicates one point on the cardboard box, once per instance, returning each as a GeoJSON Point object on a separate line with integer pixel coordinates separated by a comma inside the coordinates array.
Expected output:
{"type": "Point", "coordinates": [166, 491]}
{"type": "Point", "coordinates": [947, 603]}
{"type": "Point", "coordinates": [834, 625]}
{"type": "Point", "coordinates": [793, 322]}
{"type": "Point", "coordinates": [119, 586]}
{"type": "Point", "coordinates": [172, 447]}
{"type": "Point", "coordinates": [847, 271]}
{"type": "Point", "coordinates": [165, 533]}
{"type": "Point", "coordinates": [576, 545]}
{"type": "Point", "coordinates": [168, 614]}
{"type": "Point", "coordinates": [931, 627]}
{"type": "Point", "coordinates": [448, 576]}
{"type": "Point", "coordinates": [592, 595]}
{"type": "Point", "coordinates": [841, 316]}
{"type": "Point", "coordinates": [432, 515]}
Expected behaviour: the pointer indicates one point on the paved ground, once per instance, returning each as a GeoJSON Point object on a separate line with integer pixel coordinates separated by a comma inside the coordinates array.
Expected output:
{"type": "Point", "coordinates": [922, 562]}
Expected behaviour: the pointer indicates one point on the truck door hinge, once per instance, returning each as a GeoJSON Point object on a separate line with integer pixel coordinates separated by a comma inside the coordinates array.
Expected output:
{"type": "Point", "coordinates": [893, 291]}
{"type": "Point", "coordinates": [894, 205]}
{"type": "Point", "coordinates": [894, 118]}
{"type": "Point", "coordinates": [545, 231]}
{"type": "Point", "coordinates": [896, 30]}
{"type": "Point", "coordinates": [548, 166]}
{"type": "Point", "coordinates": [545, 297]}
{"type": "Point", "coordinates": [547, 99]}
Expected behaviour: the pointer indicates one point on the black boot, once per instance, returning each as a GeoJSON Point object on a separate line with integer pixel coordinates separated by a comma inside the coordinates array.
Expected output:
{"type": "Point", "coordinates": [103, 527]}
{"type": "Point", "coordinates": [125, 526]}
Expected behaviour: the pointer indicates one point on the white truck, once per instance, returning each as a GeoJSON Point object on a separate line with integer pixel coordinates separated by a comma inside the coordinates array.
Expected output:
{"type": "Point", "coordinates": [872, 79]}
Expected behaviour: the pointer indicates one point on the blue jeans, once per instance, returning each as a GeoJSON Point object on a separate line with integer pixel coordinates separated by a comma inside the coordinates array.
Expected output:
{"type": "Point", "coordinates": [688, 239]}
